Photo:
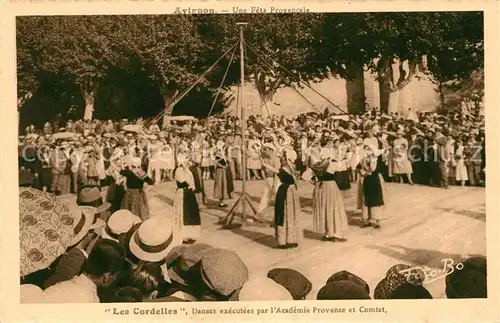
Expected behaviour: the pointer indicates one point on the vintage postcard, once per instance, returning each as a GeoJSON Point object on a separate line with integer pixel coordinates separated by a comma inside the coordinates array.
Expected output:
{"type": "Point", "coordinates": [260, 161]}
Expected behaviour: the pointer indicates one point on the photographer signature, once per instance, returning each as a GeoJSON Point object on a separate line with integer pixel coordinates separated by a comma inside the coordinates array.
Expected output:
{"type": "Point", "coordinates": [428, 275]}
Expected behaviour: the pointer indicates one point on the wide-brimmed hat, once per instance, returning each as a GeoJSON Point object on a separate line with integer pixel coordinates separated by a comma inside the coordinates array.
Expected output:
{"type": "Point", "coordinates": [118, 223]}
{"type": "Point", "coordinates": [91, 196]}
{"type": "Point", "coordinates": [153, 240]}
{"type": "Point", "coordinates": [89, 221]}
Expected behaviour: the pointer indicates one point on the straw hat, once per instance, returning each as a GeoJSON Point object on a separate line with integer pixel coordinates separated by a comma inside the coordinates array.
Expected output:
{"type": "Point", "coordinates": [153, 240]}
{"type": "Point", "coordinates": [118, 223]}
{"type": "Point", "coordinates": [90, 222]}
{"type": "Point", "coordinates": [91, 196]}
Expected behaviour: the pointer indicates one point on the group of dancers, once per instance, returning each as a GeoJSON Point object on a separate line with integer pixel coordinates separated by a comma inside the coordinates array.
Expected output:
{"type": "Point", "coordinates": [329, 175]}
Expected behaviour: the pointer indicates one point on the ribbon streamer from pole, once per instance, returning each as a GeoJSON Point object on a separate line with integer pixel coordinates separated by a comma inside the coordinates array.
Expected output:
{"type": "Point", "coordinates": [220, 86]}
{"type": "Point", "coordinates": [186, 91]}
{"type": "Point", "coordinates": [296, 77]}
{"type": "Point", "coordinates": [292, 86]}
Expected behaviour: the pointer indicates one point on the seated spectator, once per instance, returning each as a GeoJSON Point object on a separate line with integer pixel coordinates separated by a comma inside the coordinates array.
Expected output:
{"type": "Point", "coordinates": [104, 263]}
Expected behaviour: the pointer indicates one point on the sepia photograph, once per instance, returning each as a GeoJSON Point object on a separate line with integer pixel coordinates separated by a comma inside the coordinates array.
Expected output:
{"type": "Point", "coordinates": [251, 156]}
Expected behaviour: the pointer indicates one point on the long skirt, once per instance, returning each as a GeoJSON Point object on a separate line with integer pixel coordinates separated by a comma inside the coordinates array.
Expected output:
{"type": "Point", "coordinates": [61, 183]}
{"type": "Point", "coordinates": [329, 216]}
{"type": "Point", "coordinates": [223, 184]}
{"type": "Point", "coordinates": [198, 183]}
{"type": "Point", "coordinates": [115, 195]}
{"type": "Point", "coordinates": [286, 216]}
{"type": "Point", "coordinates": [135, 201]}
{"type": "Point", "coordinates": [461, 171]}
{"type": "Point", "coordinates": [46, 177]}
{"type": "Point", "coordinates": [372, 197]}
{"type": "Point", "coordinates": [401, 166]}
{"type": "Point", "coordinates": [186, 216]}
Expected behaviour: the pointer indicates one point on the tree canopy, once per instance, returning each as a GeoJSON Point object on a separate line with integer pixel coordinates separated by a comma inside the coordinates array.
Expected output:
{"type": "Point", "coordinates": [173, 51]}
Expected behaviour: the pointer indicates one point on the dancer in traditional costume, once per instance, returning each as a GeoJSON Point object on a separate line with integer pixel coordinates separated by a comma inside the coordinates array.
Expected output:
{"type": "Point", "coordinates": [195, 167]}
{"type": "Point", "coordinates": [223, 184]}
{"type": "Point", "coordinates": [287, 206]}
{"type": "Point", "coordinates": [136, 180]}
{"type": "Point", "coordinates": [269, 157]}
{"type": "Point", "coordinates": [186, 218]}
{"type": "Point", "coordinates": [372, 193]}
{"type": "Point", "coordinates": [329, 216]}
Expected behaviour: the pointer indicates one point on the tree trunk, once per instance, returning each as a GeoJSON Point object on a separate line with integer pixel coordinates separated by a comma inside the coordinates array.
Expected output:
{"type": "Point", "coordinates": [169, 106]}
{"type": "Point", "coordinates": [393, 77]}
{"type": "Point", "coordinates": [20, 103]}
{"type": "Point", "coordinates": [441, 95]}
{"type": "Point", "coordinates": [355, 88]}
{"type": "Point", "coordinates": [88, 93]}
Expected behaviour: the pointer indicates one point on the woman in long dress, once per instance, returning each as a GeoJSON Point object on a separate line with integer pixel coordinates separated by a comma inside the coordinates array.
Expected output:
{"type": "Point", "coordinates": [372, 194]}
{"type": "Point", "coordinates": [401, 164]}
{"type": "Point", "coordinates": [223, 183]}
{"type": "Point", "coordinates": [329, 216]}
{"type": "Point", "coordinates": [254, 165]}
{"type": "Point", "coordinates": [186, 216]}
{"type": "Point", "coordinates": [287, 206]}
{"type": "Point", "coordinates": [136, 181]}
{"type": "Point", "coordinates": [460, 169]}
{"type": "Point", "coordinates": [196, 157]}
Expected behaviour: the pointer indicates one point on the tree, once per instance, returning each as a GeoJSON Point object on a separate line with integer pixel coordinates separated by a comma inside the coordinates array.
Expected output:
{"type": "Point", "coordinates": [459, 51]}
{"type": "Point", "coordinates": [28, 34]}
{"type": "Point", "coordinates": [283, 38]}
{"type": "Point", "coordinates": [167, 49]}
{"type": "Point", "coordinates": [79, 48]}
{"type": "Point", "coordinates": [390, 44]}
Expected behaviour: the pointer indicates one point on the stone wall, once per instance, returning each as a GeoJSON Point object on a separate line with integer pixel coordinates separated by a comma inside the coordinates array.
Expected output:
{"type": "Point", "coordinates": [418, 95]}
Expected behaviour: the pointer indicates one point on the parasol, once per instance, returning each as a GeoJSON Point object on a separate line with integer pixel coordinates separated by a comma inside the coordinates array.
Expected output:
{"type": "Point", "coordinates": [46, 226]}
{"type": "Point", "coordinates": [132, 128]}
{"type": "Point", "coordinates": [181, 118]}
{"type": "Point", "coordinates": [63, 135]}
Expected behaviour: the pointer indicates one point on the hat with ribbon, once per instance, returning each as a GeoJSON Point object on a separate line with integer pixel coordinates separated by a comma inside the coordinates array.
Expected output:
{"type": "Point", "coordinates": [154, 239]}
{"type": "Point", "coordinates": [88, 221]}
{"type": "Point", "coordinates": [91, 196]}
{"type": "Point", "coordinates": [118, 223]}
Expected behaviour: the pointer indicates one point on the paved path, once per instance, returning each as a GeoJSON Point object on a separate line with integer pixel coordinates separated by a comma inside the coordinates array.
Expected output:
{"type": "Point", "coordinates": [426, 225]}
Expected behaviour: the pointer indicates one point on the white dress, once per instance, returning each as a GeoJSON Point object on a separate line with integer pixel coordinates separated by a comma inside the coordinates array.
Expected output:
{"type": "Point", "coordinates": [400, 162]}
{"type": "Point", "coordinates": [461, 169]}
